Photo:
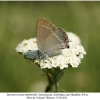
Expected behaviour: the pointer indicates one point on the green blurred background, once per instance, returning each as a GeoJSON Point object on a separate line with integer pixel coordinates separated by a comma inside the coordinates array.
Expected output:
{"type": "Point", "coordinates": [18, 22]}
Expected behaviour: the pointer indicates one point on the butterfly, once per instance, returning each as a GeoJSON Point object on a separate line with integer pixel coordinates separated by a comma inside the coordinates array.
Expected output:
{"type": "Point", "coordinates": [50, 39]}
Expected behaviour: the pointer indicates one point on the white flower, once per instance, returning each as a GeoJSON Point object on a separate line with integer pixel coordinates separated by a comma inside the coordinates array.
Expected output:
{"type": "Point", "coordinates": [68, 57]}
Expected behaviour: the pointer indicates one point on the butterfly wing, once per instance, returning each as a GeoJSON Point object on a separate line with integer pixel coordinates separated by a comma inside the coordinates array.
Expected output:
{"type": "Point", "coordinates": [44, 29]}
{"type": "Point", "coordinates": [50, 40]}
{"type": "Point", "coordinates": [63, 37]}
{"type": "Point", "coordinates": [52, 45]}
{"type": "Point", "coordinates": [57, 41]}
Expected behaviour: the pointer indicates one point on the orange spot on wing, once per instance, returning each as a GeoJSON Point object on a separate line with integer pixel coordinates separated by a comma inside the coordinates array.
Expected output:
{"type": "Point", "coordinates": [65, 39]}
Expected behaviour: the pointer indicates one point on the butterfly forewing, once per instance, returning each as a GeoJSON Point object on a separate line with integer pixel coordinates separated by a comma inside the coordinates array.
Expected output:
{"type": "Point", "coordinates": [44, 29]}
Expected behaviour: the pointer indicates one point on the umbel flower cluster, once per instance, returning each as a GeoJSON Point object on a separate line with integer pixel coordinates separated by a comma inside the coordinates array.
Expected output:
{"type": "Point", "coordinates": [68, 57]}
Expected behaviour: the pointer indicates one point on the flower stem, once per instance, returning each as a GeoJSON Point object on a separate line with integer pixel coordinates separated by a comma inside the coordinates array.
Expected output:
{"type": "Point", "coordinates": [53, 76]}
{"type": "Point", "coordinates": [56, 85]}
{"type": "Point", "coordinates": [49, 86]}
{"type": "Point", "coordinates": [56, 78]}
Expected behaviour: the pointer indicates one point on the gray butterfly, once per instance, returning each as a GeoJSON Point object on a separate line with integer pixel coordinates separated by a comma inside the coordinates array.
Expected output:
{"type": "Point", "coordinates": [50, 39]}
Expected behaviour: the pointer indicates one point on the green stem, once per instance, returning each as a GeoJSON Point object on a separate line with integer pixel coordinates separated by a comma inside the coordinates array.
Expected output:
{"type": "Point", "coordinates": [56, 85]}
{"type": "Point", "coordinates": [49, 86]}
{"type": "Point", "coordinates": [50, 82]}
{"type": "Point", "coordinates": [56, 79]}
{"type": "Point", "coordinates": [53, 76]}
